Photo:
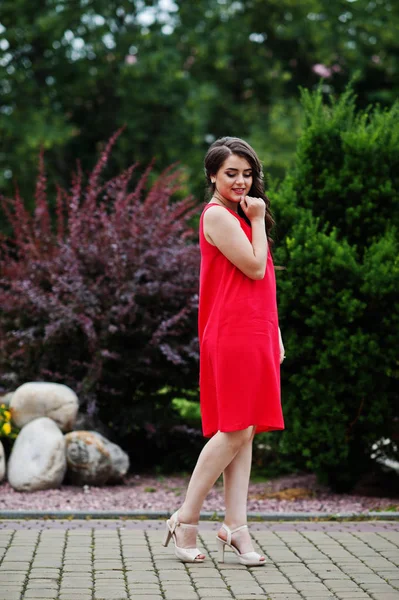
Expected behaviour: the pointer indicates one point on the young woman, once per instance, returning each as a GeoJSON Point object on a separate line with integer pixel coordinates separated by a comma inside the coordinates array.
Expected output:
{"type": "Point", "coordinates": [240, 346]}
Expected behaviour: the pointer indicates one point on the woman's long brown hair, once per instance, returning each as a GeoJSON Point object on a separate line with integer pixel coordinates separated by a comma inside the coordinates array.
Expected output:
{"type": "Point", "coordinates": [214, 159]}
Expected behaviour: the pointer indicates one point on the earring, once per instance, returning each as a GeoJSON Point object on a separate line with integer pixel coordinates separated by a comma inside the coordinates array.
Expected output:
{"type": "Point", "coordinates": [213, 180]}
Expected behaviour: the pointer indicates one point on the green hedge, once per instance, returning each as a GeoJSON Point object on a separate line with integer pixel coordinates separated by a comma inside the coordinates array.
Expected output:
{"type": "Point", "coordinates": [338, 216]}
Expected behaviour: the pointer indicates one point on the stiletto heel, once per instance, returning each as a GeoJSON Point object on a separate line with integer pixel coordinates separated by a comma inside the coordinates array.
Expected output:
{"type": "Point", "coordinates": [167, 537]}
{"type": "Point", "coordinates": [220, 545]}
{"type": "Point", "coordinates": [186, 555]}
{"type": "Point", "coordinates": [250, 559]}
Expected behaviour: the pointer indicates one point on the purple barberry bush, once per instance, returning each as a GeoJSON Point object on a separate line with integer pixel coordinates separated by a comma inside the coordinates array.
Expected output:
{"type": "Point", "coordinates": [101, 294]}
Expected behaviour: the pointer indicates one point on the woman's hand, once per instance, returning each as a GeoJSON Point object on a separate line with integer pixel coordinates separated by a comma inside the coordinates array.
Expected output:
{"type": "Point", "coordinates": [282, 351]}
{"type": "Point", "coordinates": [254, 208]}
{"type": "Point", "coordinates": [223, 230]}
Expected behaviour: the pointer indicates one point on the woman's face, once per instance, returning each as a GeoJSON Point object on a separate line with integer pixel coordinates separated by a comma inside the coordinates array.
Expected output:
{"type": "Point", "coordinates": [234, 178]}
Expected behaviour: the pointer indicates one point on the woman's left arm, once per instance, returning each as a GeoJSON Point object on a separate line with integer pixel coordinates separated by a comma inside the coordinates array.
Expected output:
{"type": "Point", "coordinates": [282, 351]}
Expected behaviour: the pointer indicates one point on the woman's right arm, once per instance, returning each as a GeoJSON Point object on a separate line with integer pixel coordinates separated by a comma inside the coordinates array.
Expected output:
{"type": "Point", "coordinates": [224, 231]}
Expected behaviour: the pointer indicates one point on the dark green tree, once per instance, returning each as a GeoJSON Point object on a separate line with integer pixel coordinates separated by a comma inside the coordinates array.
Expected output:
{"type": "Point", "coordinates": [71, 73]}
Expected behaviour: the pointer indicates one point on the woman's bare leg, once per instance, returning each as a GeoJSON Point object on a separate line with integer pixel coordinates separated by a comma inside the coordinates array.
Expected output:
{"type": "Point", "coordinates": [236, 481]}
{"type": "Point", "coordinates": [213, 460]}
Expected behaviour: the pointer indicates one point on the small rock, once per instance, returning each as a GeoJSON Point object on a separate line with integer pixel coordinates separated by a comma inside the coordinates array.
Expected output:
{"type": "Point", "coordinates": [94, 460]}
{"type": "Point", "coordinates": [37, 460]}
{"type": "Point", "coordinates": [43, 399]}
{"type": "Point", "coordinates": [88, 460]}
{"type": "Point", "coordinates": [2, 462]}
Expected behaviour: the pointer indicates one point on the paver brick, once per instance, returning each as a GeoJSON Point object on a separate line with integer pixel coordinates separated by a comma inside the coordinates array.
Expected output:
{"type": "Point", "coordinates": [110, 593]}
{"type": "Point", "coordinates": [77, 581]}
{"type": "Point", "coordinates": [173, 576]}
{"type": "Point", "coordinates": [207, 593]}
{"type": "Point", "coordinates": [78, 596]}
{"type": "Point", "coordinates": [209, 583]}
{"type": "Point", "coordinates": [45, 584]}
{"type": "Point", "coordinates": [110, 596]}
{"type": "Point", "coordinates": [180, 587]}
{"type": "Point", "coordinates": [11, 588]}
{"type": "Point", "coordinates": [174, 595]}
{"type": "Point", "coordinates": [41, 594]}
{"type": "Point", "coordinates": [285, 597]}
{"type": "Point", "coordinates": [353, 595]}
{"type": "Point", "coordinates": [145, 577]}
{"type": "Point", "coordinates": [247, 597]}
{"type": "Point", "coordinates": [12, 575]}
{"type": "Point", "coordinates": [148, 597]}
{"type": "Point", "coordinates": [14, 566]}
{"type": "Point", "coordinates": [142, 587]}
{"type": "Point", "coordinates": [77, 568]}
{"type": "Point", "coordinates": [277, 588]}
{"type": "Point", "coordinates": [48, 573]}
{"type": "Point", "coordinates": [75, 591]}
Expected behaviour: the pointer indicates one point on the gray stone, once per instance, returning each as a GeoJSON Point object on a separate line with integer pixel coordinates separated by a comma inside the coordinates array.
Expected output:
{"type": "Point", "coordinates": [94, 460]}
{"type": "Point", "coordinates": [2, 462]}
{"type": "Point", "coordinates": [43, 399]}
{"type": "Point", "coordinates": [119, 459]}
{"type": "Point", "coordinates": [37, 460]}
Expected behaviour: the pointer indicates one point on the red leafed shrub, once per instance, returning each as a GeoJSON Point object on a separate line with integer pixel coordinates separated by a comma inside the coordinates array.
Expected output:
{"type": "Point", "coordinates": [102, 295]}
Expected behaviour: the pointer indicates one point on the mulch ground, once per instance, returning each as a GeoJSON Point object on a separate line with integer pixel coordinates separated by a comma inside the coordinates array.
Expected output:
{"type": "Point", "coordinates": [294, 493]}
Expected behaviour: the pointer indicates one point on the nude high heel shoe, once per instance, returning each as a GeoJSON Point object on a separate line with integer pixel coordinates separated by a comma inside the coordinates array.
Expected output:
{"type": "Point", "coordinates": [186, 555]}
{"type": "Point", "coordinates": [250, 559]}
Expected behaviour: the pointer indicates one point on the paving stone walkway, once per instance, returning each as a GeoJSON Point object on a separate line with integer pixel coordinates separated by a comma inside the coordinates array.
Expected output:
{"type": "Point", "coordinates": [124, 559]}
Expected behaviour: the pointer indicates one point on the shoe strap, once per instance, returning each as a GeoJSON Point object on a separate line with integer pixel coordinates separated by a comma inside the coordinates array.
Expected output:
{"type": "Point", "coordinates": [231, 531]}
{"type": "Point", "coordinates": [239, 528]}
{"type": "Point", "coordinates": [187, 525]}
{"type": "Point", "coordinates": [176, 523]}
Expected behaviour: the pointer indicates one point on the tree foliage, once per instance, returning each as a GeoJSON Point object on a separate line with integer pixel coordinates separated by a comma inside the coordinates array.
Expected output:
{"type": "Point", "coordinates": [178, 75]}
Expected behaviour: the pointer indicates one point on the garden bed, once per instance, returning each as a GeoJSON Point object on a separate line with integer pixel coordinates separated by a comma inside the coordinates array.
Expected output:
{"type": "Point", "coordinates": [293, 493]}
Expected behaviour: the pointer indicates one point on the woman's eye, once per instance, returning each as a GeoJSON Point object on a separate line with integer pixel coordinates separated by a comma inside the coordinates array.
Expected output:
{"type": "Point", "coordinates": [231, 175]}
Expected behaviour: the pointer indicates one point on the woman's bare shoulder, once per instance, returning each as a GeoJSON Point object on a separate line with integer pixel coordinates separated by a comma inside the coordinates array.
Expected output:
{"type": "Point", "coordinates": [219, 214]}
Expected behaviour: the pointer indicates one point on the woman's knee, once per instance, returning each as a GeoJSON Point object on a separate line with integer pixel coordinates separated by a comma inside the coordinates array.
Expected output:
{"type": "Point", "coordinates": [239, 438]}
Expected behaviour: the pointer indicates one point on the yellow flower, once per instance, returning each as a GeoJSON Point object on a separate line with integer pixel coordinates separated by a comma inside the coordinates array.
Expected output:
{"type": "Point", "coordinates": [3, 406]}
{"type": "Point", "coordinates": [6, 428]}
{"type": "Point", "coordinates": [7, 414]}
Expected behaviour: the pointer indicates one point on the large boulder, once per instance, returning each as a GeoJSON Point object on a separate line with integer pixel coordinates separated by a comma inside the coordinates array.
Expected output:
{"type": "Point", "coordinates": [94, 460]}
{"type": "Point", "coordinates": [119, 460]}
{"type": "Point", "coordinates": [42, 399]}
{"type": "Point", "coordinates": [37, 460]}
{"type": "Point", "coordinates": [2, 462]}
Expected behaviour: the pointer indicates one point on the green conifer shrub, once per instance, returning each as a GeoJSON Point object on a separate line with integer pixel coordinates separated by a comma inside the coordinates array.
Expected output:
{"type": "Point", "coordinates": [338, 219]}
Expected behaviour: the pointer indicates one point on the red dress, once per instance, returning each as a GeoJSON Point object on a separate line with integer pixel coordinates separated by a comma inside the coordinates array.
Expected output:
{"type": "Point", "coordinates": [239, 343]}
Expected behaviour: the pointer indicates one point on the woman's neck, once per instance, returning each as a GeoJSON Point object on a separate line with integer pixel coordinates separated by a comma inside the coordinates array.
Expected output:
{"type": "Point", "coordinates": [218, 199]}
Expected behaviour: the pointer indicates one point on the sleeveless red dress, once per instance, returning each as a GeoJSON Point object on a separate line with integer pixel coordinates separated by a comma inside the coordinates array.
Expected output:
{"type": "Point", "coordinates": [239, 343]}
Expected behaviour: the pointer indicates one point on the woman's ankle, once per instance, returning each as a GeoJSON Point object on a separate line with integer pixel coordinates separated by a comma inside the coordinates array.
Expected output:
{"type": "Point", "coordinates": [234, 523]}
{"type": "Point", "coordinates": [188, 516]}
